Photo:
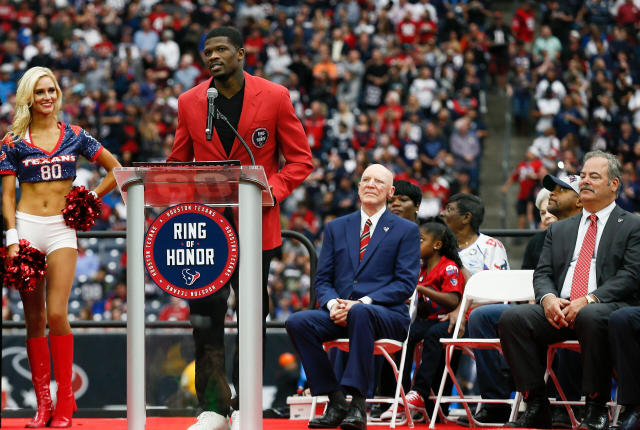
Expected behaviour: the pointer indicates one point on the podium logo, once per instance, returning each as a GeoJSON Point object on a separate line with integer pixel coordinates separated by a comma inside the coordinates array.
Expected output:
{"type": "Point", "coordinates": [189, 278]}
{"type": "Point", "coordinates": [190, 251]}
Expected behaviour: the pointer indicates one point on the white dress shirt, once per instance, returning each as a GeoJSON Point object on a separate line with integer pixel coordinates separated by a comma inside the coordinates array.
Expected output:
{"type": "Point", "coordinates": [363, 220]}
{"type": "Point", "coordinates": [603, 217]}
{"type": "Point", "coordinates": [374, 220]}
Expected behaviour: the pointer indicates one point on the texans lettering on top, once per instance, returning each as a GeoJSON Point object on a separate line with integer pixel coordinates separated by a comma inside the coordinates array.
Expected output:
{"type": "Point", "coordinates": [30, 163]}
{"type": "Point", "coordinates": [48, 160]}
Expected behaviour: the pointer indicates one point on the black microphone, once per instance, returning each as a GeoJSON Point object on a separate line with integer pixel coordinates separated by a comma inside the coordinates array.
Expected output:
{"type": "Point", "coordinates": [212, 93]}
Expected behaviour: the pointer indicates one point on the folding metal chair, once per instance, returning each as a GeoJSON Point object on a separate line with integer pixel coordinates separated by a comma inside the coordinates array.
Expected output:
{"type": "Point", "coordinates": [572, 345]}
{"type": "Point", "coordinates": [387, 348]}
{"type": "Point", "coordinates": [486, 286]}
{"type": "Point", "coordinates": [417, 359]}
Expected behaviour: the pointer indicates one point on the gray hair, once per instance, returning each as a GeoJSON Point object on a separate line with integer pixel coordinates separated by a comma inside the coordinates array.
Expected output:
{"type": "Point", "coordinates": [543, 195]}
{"type": "Point", "coordinates": [614, 169]}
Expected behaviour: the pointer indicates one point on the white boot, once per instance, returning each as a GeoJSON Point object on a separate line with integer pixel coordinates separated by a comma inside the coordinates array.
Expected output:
{"type": "Point", "coordinates": [211, 421]}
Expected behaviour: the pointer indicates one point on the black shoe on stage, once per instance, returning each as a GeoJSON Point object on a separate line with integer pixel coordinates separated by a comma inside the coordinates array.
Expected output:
{"type": "Point", "coordinates": [356, 419]}
{"type": "Point", "coordinates": [560, 417]}
{"type": "Point", "coordinates": [333, 416]}
{"type": "Point", "coordinates": [537, 415]}
{"type": "Point", "coordinates": [377, 410]}
{"type": "Point", "coordinates": [487, 415]}
{"type": "Point", "coordinates": [596, 417]}
{"type": "Point", "coordinates": [632, 421]}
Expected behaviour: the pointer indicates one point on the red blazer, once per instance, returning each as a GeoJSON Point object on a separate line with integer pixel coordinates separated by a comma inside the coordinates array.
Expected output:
{"type": "Point", "coordinates": [266, 106]}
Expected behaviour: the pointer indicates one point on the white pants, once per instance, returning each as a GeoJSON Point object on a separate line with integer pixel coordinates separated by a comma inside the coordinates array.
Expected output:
{"type": "Point", "coordinates": [46, 233]}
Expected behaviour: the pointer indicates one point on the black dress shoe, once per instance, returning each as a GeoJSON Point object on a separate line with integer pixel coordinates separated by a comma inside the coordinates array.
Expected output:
{"type": "Point", "coordinates": [331, 419]}
{"type": "Point", "coordinates": [632, 421]}
{"type": "Point", "coordinates": [356, 419]}
{"type": "Point", "coordinates": [560, 417]}
{"type": "Point", "coordinates": [487, 415]}
{"type": "Point", "coordinates": [537, 415]}
{"type": "Point", "coordinates": [377, 410]}
{"type": "Point", "coordinates": [596, 417]}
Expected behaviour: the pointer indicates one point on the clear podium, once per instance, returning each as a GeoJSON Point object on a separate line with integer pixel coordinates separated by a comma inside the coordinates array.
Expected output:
{"type": "Point", "coordinates": [214, 184]}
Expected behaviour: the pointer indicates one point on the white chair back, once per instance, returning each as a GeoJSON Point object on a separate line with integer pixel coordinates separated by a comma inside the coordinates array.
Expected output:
{"type": "Point", "coordinates": [496, 286]}
{"type": "Point", "coordinates": [486, 286]}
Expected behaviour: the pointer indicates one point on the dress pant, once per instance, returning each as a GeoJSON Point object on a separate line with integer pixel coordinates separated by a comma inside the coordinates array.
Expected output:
{"type": "Point", "coordinates": [493, 372]}
{"type": "Point", "coordinates": [365, 323]}
{"type": "Point", "coordinates": [387, 382]}
{"type": "Point", "coordinates": [492, 369]}
{"type": "Point", "coordinates": [207, 317]}
{"type": "Point", "coordinates": [525, 334]}
{"type": "Point", "coordinates": [624, 337]}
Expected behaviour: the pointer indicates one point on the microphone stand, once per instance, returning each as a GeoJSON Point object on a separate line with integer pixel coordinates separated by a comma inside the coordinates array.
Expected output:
{"type": "Point", "coordinates": [210, 117]}
{"type": "Point", "coordinates": [221, 116]}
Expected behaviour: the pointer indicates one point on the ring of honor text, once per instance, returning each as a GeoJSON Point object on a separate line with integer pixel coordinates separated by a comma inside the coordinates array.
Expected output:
{"type": "Point", "coordinates": [190, 251]}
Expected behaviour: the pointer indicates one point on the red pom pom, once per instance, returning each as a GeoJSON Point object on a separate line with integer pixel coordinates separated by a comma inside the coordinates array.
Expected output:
{"type": "Point", "coordinates": [3, 261]}
{"type": "Point", "coordinates": [27, 269]}
{"type": "Point", "coordinates": [82, 209]}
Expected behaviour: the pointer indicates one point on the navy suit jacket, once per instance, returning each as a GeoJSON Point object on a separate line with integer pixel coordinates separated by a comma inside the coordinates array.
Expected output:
{"type": "Point", "coordinates": [388, 272]}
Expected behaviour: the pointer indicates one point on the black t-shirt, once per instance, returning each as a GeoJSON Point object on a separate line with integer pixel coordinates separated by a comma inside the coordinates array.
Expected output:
{"type": "Point", "coordinates": [230, 108]}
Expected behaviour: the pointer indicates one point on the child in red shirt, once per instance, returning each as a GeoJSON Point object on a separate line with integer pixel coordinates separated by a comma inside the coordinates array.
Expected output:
{"type": "Point", "coordinates": [440, 288]}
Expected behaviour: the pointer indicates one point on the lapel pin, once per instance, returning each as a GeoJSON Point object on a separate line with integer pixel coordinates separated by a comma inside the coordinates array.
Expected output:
{"type": "Point", "coordinates": [385, 229]}
{"type": "Point", "coordinates": [619, 219]}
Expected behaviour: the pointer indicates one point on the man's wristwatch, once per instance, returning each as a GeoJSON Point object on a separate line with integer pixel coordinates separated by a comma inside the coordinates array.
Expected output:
{"type": "Point", "coordinates": [591, 299]}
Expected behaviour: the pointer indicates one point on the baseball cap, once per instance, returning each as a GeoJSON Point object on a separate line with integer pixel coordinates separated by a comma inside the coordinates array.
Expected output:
{"type": "Point", "coordinates": [570, 181]}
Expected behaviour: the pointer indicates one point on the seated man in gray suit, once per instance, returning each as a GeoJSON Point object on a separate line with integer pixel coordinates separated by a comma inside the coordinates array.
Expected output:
{"type": "Point", "coordinates": [589, 267]}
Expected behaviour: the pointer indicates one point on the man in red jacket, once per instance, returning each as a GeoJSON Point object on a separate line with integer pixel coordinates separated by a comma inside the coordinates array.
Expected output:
{"type": "Point", "coordinates": [262, 113]}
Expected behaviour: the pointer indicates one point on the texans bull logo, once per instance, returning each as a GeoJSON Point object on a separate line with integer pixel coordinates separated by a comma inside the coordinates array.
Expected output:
{"type": "Point", "coordinates": [20, 393]}
{"type": "Point", "coordinates": [190, 278]}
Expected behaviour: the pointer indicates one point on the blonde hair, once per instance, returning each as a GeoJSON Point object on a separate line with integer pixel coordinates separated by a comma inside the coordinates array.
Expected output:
{"type": "Point", "coordinates": [24, 98]}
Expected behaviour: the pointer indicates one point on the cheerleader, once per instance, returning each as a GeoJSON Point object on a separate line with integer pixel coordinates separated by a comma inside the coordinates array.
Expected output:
{"type": "Point", "coordinates": [42, 153]}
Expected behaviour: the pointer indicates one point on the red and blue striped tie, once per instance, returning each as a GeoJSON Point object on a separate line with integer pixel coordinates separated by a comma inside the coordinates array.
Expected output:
{"type": "Point", "coordinates": [364, 238]}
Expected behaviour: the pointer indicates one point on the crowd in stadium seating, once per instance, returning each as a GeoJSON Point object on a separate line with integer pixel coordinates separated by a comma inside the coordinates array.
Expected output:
{"type": "Point", "coordinates": [402, 83]}
{"type": "Point", "coordinates": [361, 88]}
{"type": "Point", "coordinates": [577, 81]}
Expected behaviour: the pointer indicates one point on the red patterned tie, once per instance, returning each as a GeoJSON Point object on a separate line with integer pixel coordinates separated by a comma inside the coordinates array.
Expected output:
{"type": "Point", "coordinates": [364, 238]}
{"type": "Point", "coordinates": [580, 281]}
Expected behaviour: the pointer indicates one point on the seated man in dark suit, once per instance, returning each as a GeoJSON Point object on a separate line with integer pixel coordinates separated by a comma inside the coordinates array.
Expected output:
{"type": "Point", "coordinates": [624, 338]}
{"type": "Point", "coordinates": [368, 268]}
{"type": "Point", "coordinates": [493, 372]}
{"type": "Point", "coordinates": [589, 267]}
